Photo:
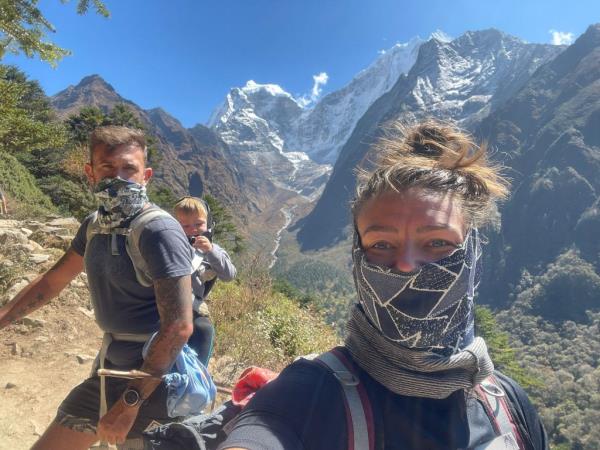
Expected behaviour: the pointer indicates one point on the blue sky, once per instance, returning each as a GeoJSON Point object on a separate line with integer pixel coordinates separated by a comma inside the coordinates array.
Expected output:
{"type": "Point", "coordinates": [185, 55]}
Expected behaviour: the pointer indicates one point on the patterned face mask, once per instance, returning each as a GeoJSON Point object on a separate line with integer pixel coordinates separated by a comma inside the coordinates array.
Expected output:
{"type": "Point", "coordinates": [430, 308]}
{"type": "Point", "coordinates": [119, 199]}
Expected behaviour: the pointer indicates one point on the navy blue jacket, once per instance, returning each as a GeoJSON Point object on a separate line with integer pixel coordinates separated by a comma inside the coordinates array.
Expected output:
{"type": "Point", "coordinates": [304, 409]}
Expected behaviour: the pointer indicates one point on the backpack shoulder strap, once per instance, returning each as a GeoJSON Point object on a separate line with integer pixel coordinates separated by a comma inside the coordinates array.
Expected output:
{"type": "Point", "coordinates": [136, 228]}
{"type": "Point", "coordinates": [359, 415]}
{"type": "Point", "coordinates": [495, 403]}
{"type": "Point", "coordinates": [92, 227]}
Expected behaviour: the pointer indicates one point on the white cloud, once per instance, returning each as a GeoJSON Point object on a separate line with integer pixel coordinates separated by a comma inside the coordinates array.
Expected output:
{"type": "Point", "coordinates": [561, 37]}
{"type": "Point", "coordinates": [319, 81]}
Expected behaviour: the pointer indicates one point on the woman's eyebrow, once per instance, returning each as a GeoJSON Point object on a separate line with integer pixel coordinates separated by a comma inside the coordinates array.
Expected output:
{"type": "Point", "coordinates": [384, 228]}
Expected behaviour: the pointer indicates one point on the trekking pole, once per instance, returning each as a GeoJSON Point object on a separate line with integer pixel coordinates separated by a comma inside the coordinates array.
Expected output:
{"type": "Point", "coordinates": [138, 374]}
{"type": "Point", "coordinates": [128, 374]}
{"type": "Point", "coordinates": [223, 389]}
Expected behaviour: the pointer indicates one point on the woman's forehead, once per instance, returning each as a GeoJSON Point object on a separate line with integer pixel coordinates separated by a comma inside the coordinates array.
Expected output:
{"type": "Point", "coordinates": [414, 208]}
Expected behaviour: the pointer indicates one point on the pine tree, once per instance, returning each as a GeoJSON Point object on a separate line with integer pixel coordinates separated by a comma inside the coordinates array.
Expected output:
{"type": "Point", "coordinates": [23, 29]}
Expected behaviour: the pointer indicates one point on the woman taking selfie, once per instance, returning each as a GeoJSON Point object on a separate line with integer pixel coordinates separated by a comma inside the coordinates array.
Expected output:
{"type": "Point", "coordinates": [423, 380]}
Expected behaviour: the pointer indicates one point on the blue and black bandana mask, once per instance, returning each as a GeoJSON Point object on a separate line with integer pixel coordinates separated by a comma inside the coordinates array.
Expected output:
{"type": "Point", "coordinates": [428, 309]}
{"type": "Point", "coordinates": [118, 200]}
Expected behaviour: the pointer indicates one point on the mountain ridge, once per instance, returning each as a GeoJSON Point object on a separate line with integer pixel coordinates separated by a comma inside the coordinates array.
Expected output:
{"type": "Point", "coordinates": [449, 80]}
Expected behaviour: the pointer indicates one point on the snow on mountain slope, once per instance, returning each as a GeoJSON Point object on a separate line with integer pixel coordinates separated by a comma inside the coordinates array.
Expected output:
{"type": "Point", "coordinates": [296, 145]}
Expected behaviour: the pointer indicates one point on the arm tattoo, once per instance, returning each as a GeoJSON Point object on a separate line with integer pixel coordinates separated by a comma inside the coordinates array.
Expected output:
{"type": "Point", "coordinates": [174, 301]}
{"type": "Point", "coordinates": [21, 311]}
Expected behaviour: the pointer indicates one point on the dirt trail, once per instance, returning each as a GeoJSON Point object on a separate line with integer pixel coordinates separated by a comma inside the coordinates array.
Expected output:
{"type": "Point", "coordinates": [49, 352]}
{"type": "Point", "coordinates": [39, 364]}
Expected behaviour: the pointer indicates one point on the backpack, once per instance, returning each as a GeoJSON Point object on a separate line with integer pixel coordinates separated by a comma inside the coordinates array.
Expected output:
{"type": "Point", "coordinates": [132, 235]}
{"type": "Point", "coordinates": [209, 431]}
{"type": "Point", "coordinates": [493, 399]}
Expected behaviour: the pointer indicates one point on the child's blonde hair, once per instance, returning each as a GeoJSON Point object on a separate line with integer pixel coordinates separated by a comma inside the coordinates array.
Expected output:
{"type": "Point", "coordinates": [190, 205]}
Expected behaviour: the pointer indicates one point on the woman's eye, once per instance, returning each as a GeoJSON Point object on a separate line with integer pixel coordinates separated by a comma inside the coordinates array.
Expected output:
{"type": "Point", "coordinates": [442, 243]}
{"type": "Point", "coordinates": [381, 246]}
{"type": "Point", "coordinates": [439, 243]}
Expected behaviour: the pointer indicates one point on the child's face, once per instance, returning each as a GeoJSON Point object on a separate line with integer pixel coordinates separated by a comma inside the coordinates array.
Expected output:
{"type": "Point", "coordinates": [192, 224]}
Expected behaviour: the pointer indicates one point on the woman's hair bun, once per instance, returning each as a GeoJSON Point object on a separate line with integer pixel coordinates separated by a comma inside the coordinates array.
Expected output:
{"type": "Point", "coordinates": [437, 156]}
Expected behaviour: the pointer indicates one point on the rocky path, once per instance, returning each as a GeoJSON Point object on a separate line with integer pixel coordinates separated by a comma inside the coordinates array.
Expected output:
{"type": "Point", "coordinates": [50, 351]}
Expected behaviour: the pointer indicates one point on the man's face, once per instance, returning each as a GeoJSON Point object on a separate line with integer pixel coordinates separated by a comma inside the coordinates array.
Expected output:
{"type": "Point", "coordinates": [125, 161]}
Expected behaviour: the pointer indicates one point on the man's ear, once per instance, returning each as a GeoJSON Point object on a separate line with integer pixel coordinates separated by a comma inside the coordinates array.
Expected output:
{"type": "Point", "coordinates": [89, 173]}
{"type": "Point", "coordinates": [148, 174]}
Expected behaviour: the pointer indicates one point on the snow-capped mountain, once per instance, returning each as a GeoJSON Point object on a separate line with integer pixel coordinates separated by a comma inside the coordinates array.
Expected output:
{"type": "Point", "coordinates": [465, 78]}
{"type": "Point", "coordinates": [296, 144]}
{"type": "Point", "coordinates": [325, 128]}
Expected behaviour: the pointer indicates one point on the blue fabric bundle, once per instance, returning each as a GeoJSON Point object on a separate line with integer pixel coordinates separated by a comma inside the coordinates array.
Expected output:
{"type": "Point", "coordinates": [189, 385]}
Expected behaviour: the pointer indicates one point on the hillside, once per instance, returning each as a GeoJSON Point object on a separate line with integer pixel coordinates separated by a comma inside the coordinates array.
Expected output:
{"type": "Point", "coordinates": [462, 80]}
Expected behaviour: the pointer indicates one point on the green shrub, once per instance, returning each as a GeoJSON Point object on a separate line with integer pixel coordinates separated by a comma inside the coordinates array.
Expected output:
{"type": "Point", "coordinates": [72, 198]}
{"type": "Point", "coordinates": [503, 355]}
{"type": "Point", "coordinates": [24, 197]}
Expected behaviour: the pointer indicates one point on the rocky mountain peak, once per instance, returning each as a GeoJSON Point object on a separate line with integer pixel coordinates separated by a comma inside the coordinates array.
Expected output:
{"type": "Point", "coordinates": [91, 90]}
{"type": "Point", "coordinates": [159, 116]}
{"type": "Point", "coordinates": [95, 81]}
{"type": "Point", "coordinates": [441, 36]}
{"type": "Point", "coordinates": [269, 100]}
{"type": "Point", "coordinates": [274, 90]}
{"type": "Point", "coordinates": [590, 39]}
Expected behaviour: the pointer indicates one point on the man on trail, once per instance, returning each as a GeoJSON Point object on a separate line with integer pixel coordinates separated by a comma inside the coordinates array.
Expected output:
{"type": "Point", "coordinates": [127, 310]}
{"type": "Point", "coordinates": [3, 208]}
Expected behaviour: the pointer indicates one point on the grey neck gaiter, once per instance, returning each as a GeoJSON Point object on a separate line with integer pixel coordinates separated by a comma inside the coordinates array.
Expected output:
{"type": "Point", "coordinates": [415, 373]}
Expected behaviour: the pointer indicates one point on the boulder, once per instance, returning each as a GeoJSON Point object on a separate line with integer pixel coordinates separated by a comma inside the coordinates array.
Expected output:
{"type": "Point", "coordinates": [5, 223]}
{"type": "Point", "coordinates": [38, 258]}
{"type": "Point", "coordinates": [11, 236]}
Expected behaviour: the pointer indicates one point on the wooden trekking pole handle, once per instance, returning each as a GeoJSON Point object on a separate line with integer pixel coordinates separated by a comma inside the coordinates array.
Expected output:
{"type": "Point", "coordinates": [137, 374]}
{"type": "Point", "coordinates": [129, 374]}
{"type": "Point", "coordinates": [223, 389]}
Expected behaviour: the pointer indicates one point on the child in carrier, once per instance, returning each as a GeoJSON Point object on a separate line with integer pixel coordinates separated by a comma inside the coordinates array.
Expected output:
{"type": "Point", "coordinates": [210, 262]}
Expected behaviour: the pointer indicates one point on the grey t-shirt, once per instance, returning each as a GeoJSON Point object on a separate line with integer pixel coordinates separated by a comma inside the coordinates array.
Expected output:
{"type": "Point", "coordinates": [121, 304]}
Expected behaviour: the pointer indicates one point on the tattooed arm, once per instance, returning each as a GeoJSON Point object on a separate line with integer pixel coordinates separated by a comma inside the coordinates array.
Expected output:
{"type": "Point", "coordinates": [43, 289]}
{"type": "Point", "coordinates": [174, 300]}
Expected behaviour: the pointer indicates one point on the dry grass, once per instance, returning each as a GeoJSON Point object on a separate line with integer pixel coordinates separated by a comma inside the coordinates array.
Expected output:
{"type": "Point", "coordinates": [255, 326]}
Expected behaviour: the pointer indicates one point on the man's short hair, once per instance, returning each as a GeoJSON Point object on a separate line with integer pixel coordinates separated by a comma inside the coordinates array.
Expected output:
{"type": "Point", "coordinates": [112, 136]}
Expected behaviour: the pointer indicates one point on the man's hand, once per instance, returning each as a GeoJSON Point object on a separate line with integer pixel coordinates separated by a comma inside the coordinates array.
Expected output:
{"type": "Point", "coordinates": [203, 244]}
{"type": "Point", "coordinates": [116, 423]}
